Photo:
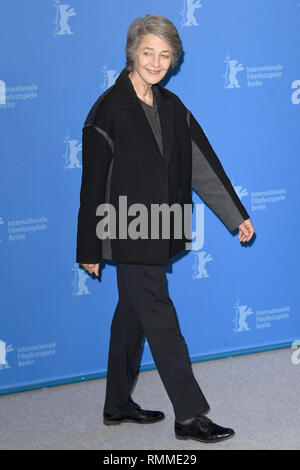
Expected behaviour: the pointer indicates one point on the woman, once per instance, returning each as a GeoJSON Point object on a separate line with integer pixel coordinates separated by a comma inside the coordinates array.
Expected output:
{"type": "Point", "coordinates": [141, 142]}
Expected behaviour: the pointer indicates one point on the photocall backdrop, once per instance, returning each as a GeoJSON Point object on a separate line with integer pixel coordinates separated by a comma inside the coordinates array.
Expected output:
{"type": "Point", "coordinates": [240, 77]}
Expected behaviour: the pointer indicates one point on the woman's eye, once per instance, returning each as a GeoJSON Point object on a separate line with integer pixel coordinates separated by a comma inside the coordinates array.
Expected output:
{"type": "Point", "coordinates": [164, 56]}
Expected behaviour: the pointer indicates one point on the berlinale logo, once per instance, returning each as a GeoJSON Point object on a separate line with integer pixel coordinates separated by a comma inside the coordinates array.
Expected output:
{"type": "Point", "coordinates": [63, 13]}
{"type": "Point", "coordinates": [4, 349]}
{"type": "Point", "coordinates": [2, 92]}
{"type": "Point", "coordinates": [188, 17]}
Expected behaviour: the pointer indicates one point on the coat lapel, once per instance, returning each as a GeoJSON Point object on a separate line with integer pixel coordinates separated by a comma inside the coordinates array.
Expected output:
{"type": "Point", "coordinates": [135, 111]}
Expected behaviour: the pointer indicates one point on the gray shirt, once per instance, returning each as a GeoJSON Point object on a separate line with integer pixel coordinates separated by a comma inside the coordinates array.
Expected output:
{"type": "Point", "coordinates": [154, 120]}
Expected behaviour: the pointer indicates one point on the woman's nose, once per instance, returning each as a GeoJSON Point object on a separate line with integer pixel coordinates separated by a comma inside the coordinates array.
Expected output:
{"type": "Point", "coordinates": [155, 61]}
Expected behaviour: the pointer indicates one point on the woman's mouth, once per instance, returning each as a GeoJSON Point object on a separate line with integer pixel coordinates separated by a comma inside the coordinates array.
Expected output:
{"type": "Point", "coordinates": [153, 72]}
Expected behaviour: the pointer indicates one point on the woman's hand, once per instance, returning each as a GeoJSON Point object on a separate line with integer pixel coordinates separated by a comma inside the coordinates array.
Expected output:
{"type": "Point", "coordinates": [246, 231]}
{"type": "Point", "coordinates": [92, 268]}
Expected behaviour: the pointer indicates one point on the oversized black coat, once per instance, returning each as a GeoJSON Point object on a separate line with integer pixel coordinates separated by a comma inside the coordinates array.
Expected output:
{"type": "Point", "coordinates": [120, 157]}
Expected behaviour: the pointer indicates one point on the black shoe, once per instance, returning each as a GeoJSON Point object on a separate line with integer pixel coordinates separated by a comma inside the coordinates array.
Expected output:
{"type": "Point", "coordinates": [202, 429]}
{"type": "Point", "coordinates": [136, 415]}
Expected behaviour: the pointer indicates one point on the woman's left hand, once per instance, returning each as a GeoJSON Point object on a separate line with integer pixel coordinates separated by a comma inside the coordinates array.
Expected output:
{"type": "Point", "coordinates": [246, 231]}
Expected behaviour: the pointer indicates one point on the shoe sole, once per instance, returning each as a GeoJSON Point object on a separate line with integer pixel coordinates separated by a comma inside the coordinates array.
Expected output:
{"type": "Point", "coordinates": [114, 422]}
{"type": "Point", "coordinates": [184, 438]}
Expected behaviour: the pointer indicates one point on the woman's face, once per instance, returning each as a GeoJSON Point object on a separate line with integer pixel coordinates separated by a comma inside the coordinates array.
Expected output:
{"type": "Point", "coordinates": [152, 58]}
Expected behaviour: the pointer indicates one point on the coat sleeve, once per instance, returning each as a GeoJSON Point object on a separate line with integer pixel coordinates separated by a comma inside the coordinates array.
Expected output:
{"type": "Point", "coordinates": [96, 159]}
{"type": "Point", "coordinates": [210, 181]}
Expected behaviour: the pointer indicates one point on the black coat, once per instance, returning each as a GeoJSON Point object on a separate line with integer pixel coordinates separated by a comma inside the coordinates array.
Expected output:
{"type": "Point", "coordinates": [120, 156]}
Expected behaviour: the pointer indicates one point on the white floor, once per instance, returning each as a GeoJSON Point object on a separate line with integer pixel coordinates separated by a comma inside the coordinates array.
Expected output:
{"type": "Point", "coordinates": [258, 395]}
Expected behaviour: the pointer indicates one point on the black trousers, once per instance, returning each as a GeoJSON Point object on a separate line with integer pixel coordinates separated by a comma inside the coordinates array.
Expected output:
{"type": "Point", "coordinates": [145, 308]}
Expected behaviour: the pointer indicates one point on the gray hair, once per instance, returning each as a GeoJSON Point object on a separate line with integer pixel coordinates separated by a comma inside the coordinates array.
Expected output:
{"type": "Point", "coordinates": [152, 24]}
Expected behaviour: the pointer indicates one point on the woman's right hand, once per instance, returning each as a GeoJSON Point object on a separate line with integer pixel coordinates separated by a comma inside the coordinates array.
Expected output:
{"type": "Point", "coordinates": [92, 268]}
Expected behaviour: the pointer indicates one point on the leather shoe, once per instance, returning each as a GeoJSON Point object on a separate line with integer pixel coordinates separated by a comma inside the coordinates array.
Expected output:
{"type": "Point", "coordinates": [202, 429]}
{"type": "Point", "coordinates": [137, 415]}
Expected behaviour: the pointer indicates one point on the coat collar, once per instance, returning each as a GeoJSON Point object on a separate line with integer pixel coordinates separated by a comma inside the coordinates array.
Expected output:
{"type": "Point", "coordinates": [133, 107]}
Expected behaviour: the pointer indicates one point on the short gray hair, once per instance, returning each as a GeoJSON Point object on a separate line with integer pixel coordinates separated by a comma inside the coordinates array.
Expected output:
{"type": "Point", "coordinates": [152, 24]}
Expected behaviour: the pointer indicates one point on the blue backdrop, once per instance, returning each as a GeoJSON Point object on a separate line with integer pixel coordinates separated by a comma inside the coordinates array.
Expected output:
{"type": "Point", "coordinates": [241, 79]}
